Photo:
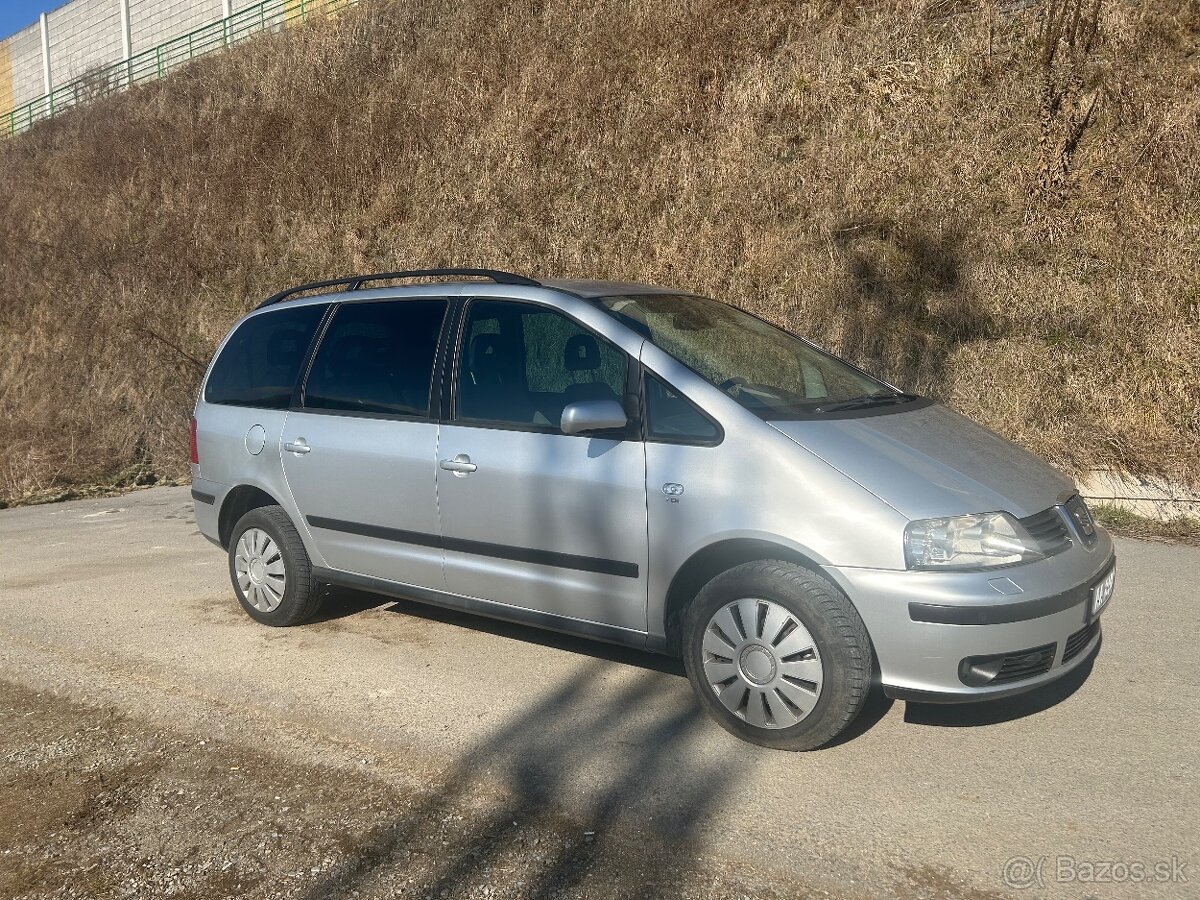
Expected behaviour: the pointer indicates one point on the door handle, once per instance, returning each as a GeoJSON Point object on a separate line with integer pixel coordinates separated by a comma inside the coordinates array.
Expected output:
{"type": "Point", "coordinates": [461, 465]}
{"type": "Point", "coordinates": [298, 446]}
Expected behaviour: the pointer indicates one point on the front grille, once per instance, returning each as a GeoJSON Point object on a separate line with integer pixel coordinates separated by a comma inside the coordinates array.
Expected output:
{"type": "Point", "coordinates": [1079, 640]}
{"type": "Point", "coordinates": [1085, 525]}
{"type": "Point", "coordinates": [1048, 531]}
{"type": "Point", "coordinates": [1026, 665]}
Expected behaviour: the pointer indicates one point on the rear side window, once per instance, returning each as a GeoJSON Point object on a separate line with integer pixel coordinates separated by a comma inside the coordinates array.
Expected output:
{"type": "Point", "coordinates": [261, 361]}
{"type": "Point", "coordinates": [673, 419]}
{"type": "Point", "coordinates": [377, 358]}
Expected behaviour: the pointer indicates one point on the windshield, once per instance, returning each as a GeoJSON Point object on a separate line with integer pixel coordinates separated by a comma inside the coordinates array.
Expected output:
{"type": "Point", "coordinates": [770, 372]}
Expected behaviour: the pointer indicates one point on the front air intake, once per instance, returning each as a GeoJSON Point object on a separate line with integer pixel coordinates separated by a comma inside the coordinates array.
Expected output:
{"type": "Point", "coordinates": [1005, 668]}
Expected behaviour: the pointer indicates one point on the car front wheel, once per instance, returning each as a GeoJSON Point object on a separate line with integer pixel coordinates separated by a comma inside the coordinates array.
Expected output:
{"type": "Point", "coordinates": [778, 655]}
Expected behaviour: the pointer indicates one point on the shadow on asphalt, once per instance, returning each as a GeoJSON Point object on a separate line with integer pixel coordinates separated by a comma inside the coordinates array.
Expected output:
{"type": "Point", "coordinates": [993, 712]}
{"type": "Point", "coordinates": [573, 732]}
{"type": "Point", "coordinates": [344, 602]}
{"type": "Point", "coordinates": [875, 708]}
{"type": "Point", "coordinates": [625, 757]}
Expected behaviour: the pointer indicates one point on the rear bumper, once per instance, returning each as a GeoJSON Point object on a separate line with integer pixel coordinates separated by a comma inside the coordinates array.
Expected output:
{"type": "Point", "coordinates": [953, 637]}
{"type": "Point", "coordinates": [206, 501]}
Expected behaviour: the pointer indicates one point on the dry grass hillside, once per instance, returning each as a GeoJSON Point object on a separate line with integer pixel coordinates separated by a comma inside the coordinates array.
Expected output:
{"type": "Point", "coordinates": [997, 204]}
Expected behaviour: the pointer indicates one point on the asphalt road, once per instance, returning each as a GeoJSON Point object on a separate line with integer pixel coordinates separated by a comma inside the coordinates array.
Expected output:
{"type": "Point", "coordinates": [122, 605]}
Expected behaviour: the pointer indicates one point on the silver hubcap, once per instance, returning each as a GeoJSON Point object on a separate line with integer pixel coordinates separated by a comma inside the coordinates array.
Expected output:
{"type": "Point", "coordinates": [762, 663]}
{"type": "Point", "coordinates": [261, 575]}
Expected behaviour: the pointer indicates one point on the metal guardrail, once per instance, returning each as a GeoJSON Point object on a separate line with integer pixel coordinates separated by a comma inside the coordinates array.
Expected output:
{"type": "Point", "coordinates": [152, 64]}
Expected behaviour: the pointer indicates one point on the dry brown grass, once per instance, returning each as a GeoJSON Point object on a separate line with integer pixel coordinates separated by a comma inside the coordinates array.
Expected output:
{"type": "Point", "coordinates": [887, 178]}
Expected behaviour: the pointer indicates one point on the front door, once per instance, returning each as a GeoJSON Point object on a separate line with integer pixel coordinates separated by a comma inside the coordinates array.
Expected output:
{"type": "Point", "coordinates": [531, 517]}
{"type": "Point", "coordinates": [360, 453]}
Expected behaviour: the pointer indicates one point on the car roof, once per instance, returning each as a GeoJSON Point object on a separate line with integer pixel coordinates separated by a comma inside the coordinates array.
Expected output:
{"type": "Point", "coordinates": [590, 289]}
{"type": "Point", "coordinates": [584, 289]}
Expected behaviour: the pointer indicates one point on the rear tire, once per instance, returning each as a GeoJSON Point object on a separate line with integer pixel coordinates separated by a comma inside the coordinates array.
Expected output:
{"type": "Point", "coordinates": [270, 569]}
{"type": "Point", "coordinates": [777, 655]}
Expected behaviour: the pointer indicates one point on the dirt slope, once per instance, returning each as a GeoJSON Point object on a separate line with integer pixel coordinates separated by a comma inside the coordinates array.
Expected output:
{"type": "Point", "coordinates": [996, 205]}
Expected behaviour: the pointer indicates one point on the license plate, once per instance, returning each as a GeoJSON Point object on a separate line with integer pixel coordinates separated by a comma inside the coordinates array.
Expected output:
{"type": "Point", "coordinates": [1102, 591]}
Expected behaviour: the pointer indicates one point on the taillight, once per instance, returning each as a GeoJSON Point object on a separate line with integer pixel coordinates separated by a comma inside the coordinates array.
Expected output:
{"type": "Point", "coordinates": [193, 450]}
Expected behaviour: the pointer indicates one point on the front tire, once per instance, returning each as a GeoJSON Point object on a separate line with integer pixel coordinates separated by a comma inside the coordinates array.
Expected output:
{"type": "Point", "coordinates": [777, 655]}
{"type": "Point", "coordinates": [270, 569]}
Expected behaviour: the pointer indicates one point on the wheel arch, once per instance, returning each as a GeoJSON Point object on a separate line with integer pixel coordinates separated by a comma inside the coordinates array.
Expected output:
{"type": "Point", "coordinates": [710, 561]}
{"type": "Point", "coordinates": [236, 504]}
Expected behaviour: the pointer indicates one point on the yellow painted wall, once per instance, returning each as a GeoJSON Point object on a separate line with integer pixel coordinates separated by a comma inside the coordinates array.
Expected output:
{"type": "Point", "coordinates": [6, 85]}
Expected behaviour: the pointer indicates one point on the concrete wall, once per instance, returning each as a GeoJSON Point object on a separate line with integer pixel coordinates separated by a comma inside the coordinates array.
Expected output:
{"type": "Point", "coordinates": [83, 35]}
{"type": "Point", "coordinates": [154, 21]}
{"type": "Point", "coordinates": [25, 63]}
{"type": "Point", "coordinates": [6, 100]}
{"type": "Point", "coordinates": [87, 34]}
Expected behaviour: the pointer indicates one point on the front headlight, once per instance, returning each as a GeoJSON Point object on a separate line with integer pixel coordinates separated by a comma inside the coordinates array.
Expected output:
{"type": "Point", "coordinates": [966, 542]}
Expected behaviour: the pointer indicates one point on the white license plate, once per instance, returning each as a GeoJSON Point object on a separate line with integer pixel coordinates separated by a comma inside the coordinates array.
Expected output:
{"type": "Point", "coordinates": [1102, 592]}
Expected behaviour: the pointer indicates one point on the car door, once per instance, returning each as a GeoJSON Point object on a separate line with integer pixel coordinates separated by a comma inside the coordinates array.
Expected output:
{"type": "Point", "coordinates": [360, 450]}
{"type": "Point", "coordinates": [531, 517]}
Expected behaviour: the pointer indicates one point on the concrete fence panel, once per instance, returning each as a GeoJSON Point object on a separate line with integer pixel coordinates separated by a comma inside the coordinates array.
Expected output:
{"type": "Point", "coordinates": [25, 65]}
{"type": "Point", "coordinates": [87, 48]}
{"type": "Point", "coordinates": [84, 35]}
{"type": "Point", "coordinates": [153, 22]}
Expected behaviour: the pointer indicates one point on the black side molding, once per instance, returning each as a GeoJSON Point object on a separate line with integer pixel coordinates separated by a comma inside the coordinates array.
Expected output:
{"type": "Point", "coordinates": [999, 613]}
{"type": "Point", "coordinates": [375, 531]}
{"type": "Point", "coordinates": [201, 497]}
{"type": "Point", "coordinates": [596, 564]}
{"type": "Point", "coordinates": [1002, 613]}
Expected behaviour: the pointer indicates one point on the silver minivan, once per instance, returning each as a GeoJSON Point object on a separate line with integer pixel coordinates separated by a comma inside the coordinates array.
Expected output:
{"type": "Point", "coordinates": [647, 467]}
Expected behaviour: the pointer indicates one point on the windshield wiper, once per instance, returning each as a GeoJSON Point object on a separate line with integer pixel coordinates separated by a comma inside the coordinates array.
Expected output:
{"type": "Point", "coordinates": [866, 401]}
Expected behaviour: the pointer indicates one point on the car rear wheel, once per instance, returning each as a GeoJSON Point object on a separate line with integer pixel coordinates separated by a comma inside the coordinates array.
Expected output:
{"type": "Point", "coordinates": [778, 655]}
{"type": "Point", "coordinates": [270, 569]}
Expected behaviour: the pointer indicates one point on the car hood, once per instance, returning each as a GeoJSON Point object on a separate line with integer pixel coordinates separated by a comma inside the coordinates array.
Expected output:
{"type": "Point", "coordinates": [932, 462]}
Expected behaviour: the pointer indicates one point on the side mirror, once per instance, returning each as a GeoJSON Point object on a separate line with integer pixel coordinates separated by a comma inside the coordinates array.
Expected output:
{"type": "Point", "coordinates": [593, 415]}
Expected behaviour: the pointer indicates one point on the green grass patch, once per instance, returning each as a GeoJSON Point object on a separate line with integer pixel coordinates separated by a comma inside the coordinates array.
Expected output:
{"type": "Point", "coordinates": [1122, 521]}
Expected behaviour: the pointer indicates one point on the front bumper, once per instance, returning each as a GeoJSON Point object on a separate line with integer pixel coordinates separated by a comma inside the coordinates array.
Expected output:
{"type": "Point", "coordinates": [938, 636]}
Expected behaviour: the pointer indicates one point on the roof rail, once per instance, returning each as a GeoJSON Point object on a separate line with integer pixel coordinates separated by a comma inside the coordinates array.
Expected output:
{"type": "Point", "coordinates": [355, 282]}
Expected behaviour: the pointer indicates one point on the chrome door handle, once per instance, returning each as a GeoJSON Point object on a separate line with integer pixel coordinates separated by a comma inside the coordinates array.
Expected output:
{"type": "Point", "coordinates": [461, 465]}
{"type": "Point", "coordinates": [298, 446]}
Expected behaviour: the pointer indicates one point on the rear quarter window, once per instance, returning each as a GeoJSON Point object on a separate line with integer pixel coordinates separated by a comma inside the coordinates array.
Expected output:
{"type": "Point", "coordinates": [260, 363]}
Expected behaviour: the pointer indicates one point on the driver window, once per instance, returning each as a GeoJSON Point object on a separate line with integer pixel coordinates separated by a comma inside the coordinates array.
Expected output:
{"type": "Point", "coordinates": [521, 364]}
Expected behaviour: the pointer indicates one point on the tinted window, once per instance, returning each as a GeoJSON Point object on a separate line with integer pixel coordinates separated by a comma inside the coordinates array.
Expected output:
{"type": "Point", "coordinates": [522, 364]}
{"type": "Point", "coordinates": [671, 417]}
{"type": "Point", "coordinates": [261, 361]}
{"type": "Point", "coordinates": [377, 358]}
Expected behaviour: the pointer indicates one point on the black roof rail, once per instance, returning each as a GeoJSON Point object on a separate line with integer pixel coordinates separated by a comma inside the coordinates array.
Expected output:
{"type": "Point", "coordinates": [355, 282]}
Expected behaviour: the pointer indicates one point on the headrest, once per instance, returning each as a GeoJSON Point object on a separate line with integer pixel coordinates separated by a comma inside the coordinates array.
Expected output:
{"type": "Point", "coordinates": [486, 350]}
{"type": "Point", "coordinates": [582, 353]}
